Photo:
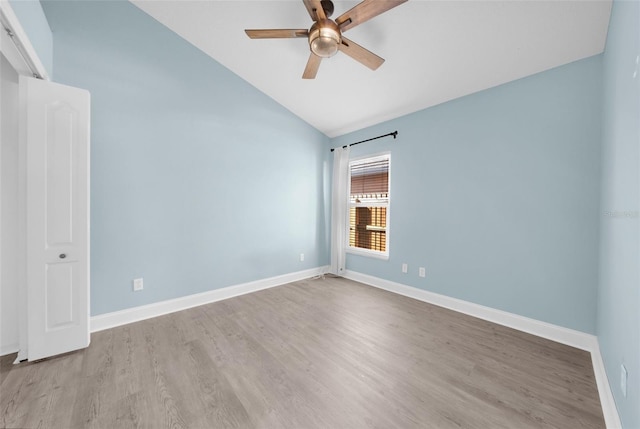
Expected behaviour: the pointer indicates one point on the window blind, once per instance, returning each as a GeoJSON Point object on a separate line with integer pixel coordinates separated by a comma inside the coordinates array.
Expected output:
{"type": "Point", "coordinates": [370, 180]}
{"type": "Point", "coordinates": [369, 199]}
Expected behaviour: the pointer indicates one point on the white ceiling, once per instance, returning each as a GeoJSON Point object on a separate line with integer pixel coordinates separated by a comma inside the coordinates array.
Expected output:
{"type": "Point", "coordinates": [435, 51]}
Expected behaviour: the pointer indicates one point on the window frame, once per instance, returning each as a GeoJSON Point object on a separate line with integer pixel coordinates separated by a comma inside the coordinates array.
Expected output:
{"type": "Point", "coordinates": [359, 250]}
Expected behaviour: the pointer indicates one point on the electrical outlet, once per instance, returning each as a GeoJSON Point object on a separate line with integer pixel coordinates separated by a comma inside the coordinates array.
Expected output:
{"type": "Point", "coordinates": [138, 284]}
{"type": "Point", "coordinates": [623, 380]}
{"type": "Point", "coordinates": [405, 268]}
{"type": "Point", "coordinates": [422, 272]}
{"type": "Point", "coordinates": [301, 257]}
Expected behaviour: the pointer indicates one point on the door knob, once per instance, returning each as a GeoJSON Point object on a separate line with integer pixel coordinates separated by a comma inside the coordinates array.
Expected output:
{"type": "Point", "coordinates": [62, 256]}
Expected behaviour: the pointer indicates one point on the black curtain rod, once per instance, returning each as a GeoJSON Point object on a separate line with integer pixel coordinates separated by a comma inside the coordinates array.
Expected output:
{"type": "Point", "coordinates": [394, 134]}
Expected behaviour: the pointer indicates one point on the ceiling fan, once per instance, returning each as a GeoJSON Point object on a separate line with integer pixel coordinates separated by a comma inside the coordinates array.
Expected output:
{"type": "Point", "coordinates": [325, 35]}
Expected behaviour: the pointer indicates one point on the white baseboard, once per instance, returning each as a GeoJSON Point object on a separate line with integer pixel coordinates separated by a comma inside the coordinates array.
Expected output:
{"type": "Point", "coordinates": [136, 314]}
{"type": "Point", "coordinates": [556, 333]}
{"type": "Point", "coordinates": [611, 416]}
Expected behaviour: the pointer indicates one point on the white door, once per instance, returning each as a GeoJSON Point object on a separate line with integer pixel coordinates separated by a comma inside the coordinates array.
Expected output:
{"type": "Point", "coordinates": [56, 134]}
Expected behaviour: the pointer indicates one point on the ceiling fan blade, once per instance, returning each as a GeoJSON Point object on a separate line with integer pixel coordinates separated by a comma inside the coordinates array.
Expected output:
{"type": "Point", "coordinates": [276, 34]}
{"type": "Point", "coordinates": [312, 6]}
{"type": "Point", "coordinates": [364, 11]}
{"type": "Point", "coordinates": [316, 7]}
{"type": "Point", "coordinates": [360, 54]}
{"type": "Point", "coordinates": [311, 69]}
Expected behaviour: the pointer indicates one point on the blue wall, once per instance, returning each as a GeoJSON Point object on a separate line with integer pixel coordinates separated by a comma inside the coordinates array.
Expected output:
{"type": "Point", "coordinates": [34, 23]}
{"type": "Point", "coordinates": [497, 195]}
{"type": "Point", "coordinates": [198, 180]}
{"type": "Point", "coordinates": [619, 291]}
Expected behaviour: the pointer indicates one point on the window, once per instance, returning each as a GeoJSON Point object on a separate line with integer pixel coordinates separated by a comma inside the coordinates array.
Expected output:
{"type": "Point", "coordinates": [369, 206]}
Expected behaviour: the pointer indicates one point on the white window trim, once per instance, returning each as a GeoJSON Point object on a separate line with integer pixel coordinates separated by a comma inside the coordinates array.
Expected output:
{"type": "Point", "coordinates": [369, 253]}
{"type": "Point", "coordinates": [357, 250]}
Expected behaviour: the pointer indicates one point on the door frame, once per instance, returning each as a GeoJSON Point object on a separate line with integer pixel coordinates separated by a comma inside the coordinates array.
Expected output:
{"type": "Point", "coordinates": [17, 47]}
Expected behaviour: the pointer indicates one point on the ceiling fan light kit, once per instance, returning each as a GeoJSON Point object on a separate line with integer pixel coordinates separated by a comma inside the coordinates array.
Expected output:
{"type": "Point", "coordinates": [324, 38]}
{"type": "Point", "coordinates": [325, 35]}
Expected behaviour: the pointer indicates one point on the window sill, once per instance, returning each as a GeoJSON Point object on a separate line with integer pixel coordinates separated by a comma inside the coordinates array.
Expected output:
{"type": "Point", "coordinates": [367, 253]}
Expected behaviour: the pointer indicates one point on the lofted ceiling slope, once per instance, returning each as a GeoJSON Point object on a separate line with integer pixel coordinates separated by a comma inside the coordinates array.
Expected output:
{"type": "Point", "coordinates": [435, 51]}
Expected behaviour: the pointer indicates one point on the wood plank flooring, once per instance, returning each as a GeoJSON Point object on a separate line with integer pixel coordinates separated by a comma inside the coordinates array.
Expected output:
{"type": "Point", "coordinates": [323, 353]}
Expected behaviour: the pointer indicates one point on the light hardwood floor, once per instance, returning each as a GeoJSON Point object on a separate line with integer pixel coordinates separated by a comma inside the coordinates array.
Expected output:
{"type": "Point", "coordinates": [324, 353]}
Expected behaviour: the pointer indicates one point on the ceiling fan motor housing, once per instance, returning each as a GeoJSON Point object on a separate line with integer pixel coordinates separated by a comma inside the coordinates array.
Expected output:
{"type": "Point", "coordinates": [324, 38]}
